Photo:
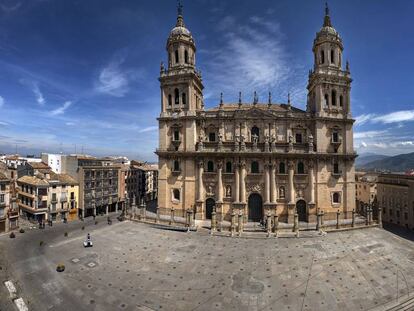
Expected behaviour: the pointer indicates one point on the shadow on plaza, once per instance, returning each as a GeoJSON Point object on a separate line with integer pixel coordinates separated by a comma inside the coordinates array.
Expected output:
{"type": "Point", "coordinates": [400, 231]}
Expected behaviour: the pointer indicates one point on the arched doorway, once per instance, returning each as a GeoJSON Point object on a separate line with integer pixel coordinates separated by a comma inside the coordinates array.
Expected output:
{"type": "Point", "coordinates": [210, 203]}
{"type": "Point", "coordinates": [255, 207]}
{"type": "Point", "coordinates": [301, 210]}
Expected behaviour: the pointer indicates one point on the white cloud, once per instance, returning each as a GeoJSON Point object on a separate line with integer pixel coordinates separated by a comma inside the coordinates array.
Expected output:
{"type": "Point", "coordinates": [39, 96]}
{"type": "Point", "coordinates": [253, 57]}
{"type": "Point", "coordinates": [112, 80]}
{"type": "Point", "coordinates": [2, 101]}
{"type": "Point", "coordinates": [369, 134]}
{"type": "Point", "coordinates": [393, 117]}
{"type": "Point", "coordinates": [62, 109]}
{"type": "Point", "coordinates": [148, 129]}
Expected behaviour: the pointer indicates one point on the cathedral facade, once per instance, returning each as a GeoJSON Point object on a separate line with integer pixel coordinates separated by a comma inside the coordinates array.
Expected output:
{"type": "Point", "coordinates": [255, 158]}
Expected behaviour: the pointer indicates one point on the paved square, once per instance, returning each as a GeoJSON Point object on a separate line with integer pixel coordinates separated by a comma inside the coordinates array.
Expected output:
{"type": "Point", "coordinates": [136, 267]}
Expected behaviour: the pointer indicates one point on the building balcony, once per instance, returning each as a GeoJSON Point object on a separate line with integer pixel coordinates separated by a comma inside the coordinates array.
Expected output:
{"type": "Point", "coordinates": [53, 200]}
{"type": "Point", "coordinates": [63, 199]}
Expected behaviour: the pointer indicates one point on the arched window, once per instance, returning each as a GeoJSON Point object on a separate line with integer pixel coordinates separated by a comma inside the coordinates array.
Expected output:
{"type": "Point", "coordinates": [282, 168]}
{"type": "Point", "coordinates": [254, 167]}
{"type": "Point", "coordinates": [255, 132]}
{"type": "Point", "coordinates": [336, 198]}
{"type": "Point", "coordinates": [228, 167]}
{"type": "Point", "coordinates": [176, 194]}
{"type": "Point", "coordinates": [332, 56]}
{"type": "Point", "coordinates": [282, 192]}
{"type": "Point", "coordinates": [333, 98]}
{"type": "Point", "coordinates": [322, 57]}
{"type": "Point", "coordinates": [301, 168]}
{"type": "Point", "coordinates": [169, 100]}
{"type": "Point", "coordinates": [176, 57]}
{"type": "Point", "coordinates": [176, 97]}
{"type": "Point", "coordinates": [326, 100]}
{"type": "Point", "coordinates": [210, 166]}
{"type": "Point", "coordinates": [184, 99]}
{"type": "Point", "coordinates": [186, 56]}
{"type": "Point", "coordinates": [341, 101]}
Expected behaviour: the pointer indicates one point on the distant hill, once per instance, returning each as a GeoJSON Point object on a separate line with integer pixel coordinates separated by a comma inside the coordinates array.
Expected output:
{"type": "Point", "coordinates": [366, 158]}
{"type": "Point", "coordinates": [398, 163]}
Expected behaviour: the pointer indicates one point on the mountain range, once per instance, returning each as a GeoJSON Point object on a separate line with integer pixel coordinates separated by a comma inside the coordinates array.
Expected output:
{"type": "Point", "coordinates": [398, 163]}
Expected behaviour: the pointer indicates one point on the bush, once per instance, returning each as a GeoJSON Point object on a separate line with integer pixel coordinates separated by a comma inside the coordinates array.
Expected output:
{"type": "Point", "coordinates": [21, 230]}
{"type": "Point", "coordinates": [60, 267]}
{"type": "Point", "coordinates": [12, 235]}
{"type": "Point", "coordinates": [66, 234]}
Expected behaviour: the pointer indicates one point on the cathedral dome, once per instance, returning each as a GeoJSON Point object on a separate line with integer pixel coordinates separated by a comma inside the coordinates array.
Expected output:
{"type": "Point", "coordinates": [180, 30]}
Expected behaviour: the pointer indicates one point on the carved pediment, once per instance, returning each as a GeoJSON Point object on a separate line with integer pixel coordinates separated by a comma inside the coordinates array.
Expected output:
{"type": "Point", "coordinates": [254, 113]}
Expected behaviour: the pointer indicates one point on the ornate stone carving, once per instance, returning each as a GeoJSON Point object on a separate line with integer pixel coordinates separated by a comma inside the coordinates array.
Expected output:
{"type": "Point", "coordinates": [228, 191]}
{"type": "Point", "coordinates": [210, 190]}
{"type": "Point", "coordinates": [254, 187]}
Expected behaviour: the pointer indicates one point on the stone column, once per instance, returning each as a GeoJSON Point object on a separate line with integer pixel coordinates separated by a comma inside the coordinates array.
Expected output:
{"type": "Point", "coordinates": [380, 217]}
{"type": "Point", "coordinates": [200, 181]}
{"type": "Point", "coordinates": [267, 184]}
{"type": "Point", "coordinates": [296, 224]}
{"type": "Point", "coordinates": [273, 190]}
{"type": "Point", "coordinates": [233, 223]}
{"type": "Point", "coordinates": [219, 182]}
{"type": "Point", "coordinates": [237, 183]}
{"type": "Point", "coordinates": [243, 182]}
{"type": "Point", "coordinates": [291, 167]}
{"type": "Point", "coordinates": [312, 182]}
{"type": "Point", "coordinates": [213, 221]}
{"type": "Point", "coordinates": [268, 223]}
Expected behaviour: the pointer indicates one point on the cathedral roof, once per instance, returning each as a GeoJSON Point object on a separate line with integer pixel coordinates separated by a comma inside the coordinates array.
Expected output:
{"type": "Point", "coordinates": [248, 106]}
{"type": "Point", "coordinates": [327, 28]}
{"type": "Point", "coordinates": [180, 28]}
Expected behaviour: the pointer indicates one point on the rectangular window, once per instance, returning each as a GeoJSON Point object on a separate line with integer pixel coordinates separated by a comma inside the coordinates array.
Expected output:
{"type": "Point", "coordinates": [212, 136]}
{"type": "Point", "coordinates": [1, 198]}
{"type": "Point", "coordinates": [176, 135]}
{"type": "Point", "coordinates": [335, 137]}
{"type": "Point", "coordinates": [298, 138]}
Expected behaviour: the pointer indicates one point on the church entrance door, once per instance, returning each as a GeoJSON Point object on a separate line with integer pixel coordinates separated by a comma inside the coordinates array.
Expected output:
{"type": "Point", "coordinates": [255, 207]}
{"type": "Point", "coordinates": [301, 210]}
{"type": "Point", "coordinates": [210, 203]}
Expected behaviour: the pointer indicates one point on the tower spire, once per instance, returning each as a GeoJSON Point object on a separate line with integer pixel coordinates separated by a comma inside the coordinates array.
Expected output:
{"type": "Point", "coordinates": [180, 19]}
{"type": "Point", "coordinates": [327, 19]}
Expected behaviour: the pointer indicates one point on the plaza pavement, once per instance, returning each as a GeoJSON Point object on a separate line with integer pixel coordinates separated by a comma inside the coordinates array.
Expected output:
{"type": "Point", "coordinates": [135, 266]}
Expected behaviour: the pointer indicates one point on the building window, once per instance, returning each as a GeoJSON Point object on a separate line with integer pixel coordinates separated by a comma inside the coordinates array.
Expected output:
{"type": "Point", "coordinates": [186, 56]}
{"type": "Point", "coordinates": [333, 98]}
{"type": "Point", "coordinates": [282, 168]}
{"type": "Point", "coordinates": [332, 56]}
{"type": "Point", "coordinates": [184, 99]}
{"type": "Point", "coordinates": [1, 198]}
{"type": "Point", "coordinates": [176, 194]}
{"type": "Point", "coordinates": [228, 167]}
{"type": "Point", "coordinates": [322, 57]}
{"type": "Point", "coordinates": [336, 198]}
{"type": "Point", "coordinates": [176, 57]}
{"type": "Point", "coordinates": [210, 166]}
{"type": "Point", "coordinates": [301, 168]}
{"type": "Point", "coordinates": [211, 136]}
{"type": "Point", "coordinates": [335, 137]}
{"type": "Point", "coordinates": [298, 138]}
{"type": "Point", "coordinates": [341, 101]}
{"type": "Point", "coordinates": [176, 166]}
{"type": "Point", "coordinates": [255, 167]}
{"type": "Point", "coordinates": [398, 213]}
{"type": "Point", "coordinates": [176, 97]}
{"type": "Point", "coordinates": [169, 100]}
{"type": "Point", "coordinates": [255, 132]}
{"type": "Point", "coordinates": [326, 100]}
{"type": "Point", "coordinates": [176, 135]}
{"type": "Point", "coordinates": [282, 192]}
{"type": "Point", "coordinates": [336, 169]}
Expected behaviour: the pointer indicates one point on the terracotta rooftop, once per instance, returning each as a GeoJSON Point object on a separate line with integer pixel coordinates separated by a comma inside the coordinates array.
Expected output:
{"type": "Point", "coordinates": [39, 165]}
{"type": "Point", "coordinates": [33, 180]}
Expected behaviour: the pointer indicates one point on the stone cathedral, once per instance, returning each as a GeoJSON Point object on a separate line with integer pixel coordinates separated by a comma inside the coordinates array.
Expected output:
{"type": "Point", "coordinates": [254, 158]}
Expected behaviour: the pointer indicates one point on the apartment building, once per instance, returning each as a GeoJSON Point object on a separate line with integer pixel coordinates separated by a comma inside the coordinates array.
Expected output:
{"type": "Point", "coordinates": [395, 194]}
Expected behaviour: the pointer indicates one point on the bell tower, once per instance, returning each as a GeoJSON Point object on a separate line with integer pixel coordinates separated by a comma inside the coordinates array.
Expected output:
{"type": "Point", "coordinates": [329, 85]}
{"type": "Point", "coordinates": [181, 83]}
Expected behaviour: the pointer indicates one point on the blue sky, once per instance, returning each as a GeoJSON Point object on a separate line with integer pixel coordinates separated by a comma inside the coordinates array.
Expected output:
{"type": "Point", "coordinates": [85, 73]}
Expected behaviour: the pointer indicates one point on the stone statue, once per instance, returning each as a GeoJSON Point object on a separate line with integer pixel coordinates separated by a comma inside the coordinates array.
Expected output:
{"type": "Point", "coordinates": [255, 139]}
{"type": "Point", "coordinates": [228, 191]}
{"type": "Point", "coordinates": [200, 142]}
{"type": "Point", "coordinates": [267, 138]}
{"type": "Point", "coordinates": [162, 69]}
{"type": "Point", "coordinates": [237, 138]}
{"type": "Point", "coordinates": [310, 142]}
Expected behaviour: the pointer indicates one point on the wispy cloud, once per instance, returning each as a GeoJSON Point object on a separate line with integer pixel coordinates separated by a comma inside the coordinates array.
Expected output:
{"type": "Point", "coordinates": [369, 134]}
{"type": "Point", "coordinates": [148, 129]}
{"type": "Point", "coordinates": [39, 96]}
{"type": "Point", "coordinates": [253, 57]}
{"type": "Point", "coordinates": [112, 79]}
{"type": "Point", "coordinates": [393, 117]}
{"type": "Point", "coordinates": [62, 109]}
{"type": "Point", "coordinates": [2, 101]}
